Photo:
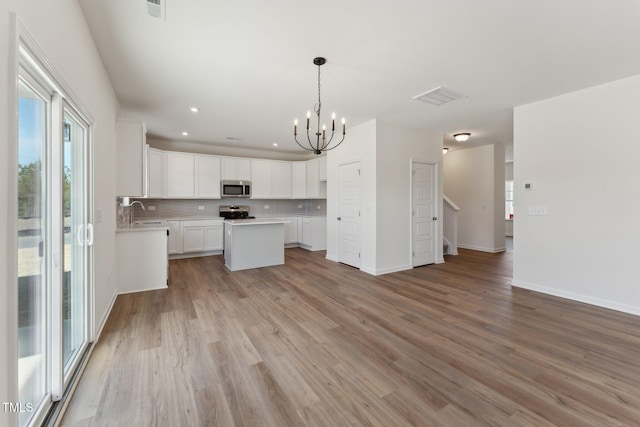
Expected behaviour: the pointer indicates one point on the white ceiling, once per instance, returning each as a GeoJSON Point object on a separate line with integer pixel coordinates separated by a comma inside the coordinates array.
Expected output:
{"type": "Point", "coordinates": [247, 64]}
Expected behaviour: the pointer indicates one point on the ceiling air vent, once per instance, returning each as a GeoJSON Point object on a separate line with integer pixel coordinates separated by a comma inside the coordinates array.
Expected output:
{"type": "Point", "coordinates": [439, 96]}
{"type": "Point", "coordinates": [155, 8]}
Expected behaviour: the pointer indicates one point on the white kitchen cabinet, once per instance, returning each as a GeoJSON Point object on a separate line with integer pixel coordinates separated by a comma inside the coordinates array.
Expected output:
{"type": "Point", "coordinates": [280, 180]}
{"type": "Point", "coordinates": [207, 177]}
{"type": "Point", "coordinates": [180, 175]}
{"type": "Point", "coordinates": [214, 237]}
{"type": "Point", "coordinates": [235, 168]}
{"type": "Point", "coordinates": [202, 235]}
{"type": "Point", "coordinates": [322, 168]}
{"type": "Point", "coordinates": [314, 232]}
{"type": "Point", "coordinates": [313, 180]}
{"type": "Point", "coordinates": [131, 146]}
{"type": "Point", "coordinates": [157, 184]}
{"type": "Point", "coordinates": [291, 230]}
{"type": "Point", "coordinates": [261, 179]}
{"type": "Point", "coordinates": [175, 237]}
{"type": "Point", "coordinates": [141, 260]}
{"type": "Point", "coordinates": [271, 179]}
{"type": "Point", "coordinates": [298, 180]}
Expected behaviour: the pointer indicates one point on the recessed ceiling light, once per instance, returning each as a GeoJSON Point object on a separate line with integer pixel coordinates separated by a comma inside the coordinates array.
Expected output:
{"type": "Point", "coordinates": [233, 138]}
{"type": "Point", "coordinates": [275, 144]}
{"type": "Point", "coordinates": [194, 109]}
{"type": "Point", "coordinates": [185, 133]}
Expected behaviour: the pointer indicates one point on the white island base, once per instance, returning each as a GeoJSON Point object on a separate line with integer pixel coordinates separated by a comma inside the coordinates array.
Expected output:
{"type": "Point", "coordinates": [253, 243]}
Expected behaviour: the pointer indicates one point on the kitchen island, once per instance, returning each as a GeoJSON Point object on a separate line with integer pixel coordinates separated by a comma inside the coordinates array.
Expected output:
{"type": "Point", "coordinates": [253, 243]}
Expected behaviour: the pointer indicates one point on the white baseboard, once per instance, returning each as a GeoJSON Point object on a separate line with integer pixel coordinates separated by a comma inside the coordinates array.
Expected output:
{"type": "Point", "coordinates": [388, 270]}
{"type": "Point", "coordinates": [155, 288]}
{"type": "Point", "coordinates": [440, 261]}
{"type": "Point", "coordinates": [578, 297]}
{"type": "Point", "coordinates": [331, 258]}
{"type": "Point", "coordinates": [482, 249]}
{"type": "Point", "coordinates": [105, 316]}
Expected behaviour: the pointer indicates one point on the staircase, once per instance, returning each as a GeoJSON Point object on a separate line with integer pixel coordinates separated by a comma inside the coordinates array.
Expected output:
{"type": "Point", "coordinates": [450, 227]}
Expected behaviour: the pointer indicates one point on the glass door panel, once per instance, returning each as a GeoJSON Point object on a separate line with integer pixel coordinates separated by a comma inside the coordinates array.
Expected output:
{"type": "Point", "coordinates": [33, 217]}
{"type": "Point", "coordinates": [76, 240]}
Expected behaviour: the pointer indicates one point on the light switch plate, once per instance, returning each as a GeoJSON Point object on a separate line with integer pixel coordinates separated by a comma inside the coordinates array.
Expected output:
{"type": "Point", "coordinates": [537, 211]}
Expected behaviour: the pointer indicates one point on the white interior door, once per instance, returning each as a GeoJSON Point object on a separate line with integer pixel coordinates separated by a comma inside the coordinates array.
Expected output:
{"type": "Point", "coordinates": [349, 201]}
{"type": "Point", "coordinates": [423, 211]}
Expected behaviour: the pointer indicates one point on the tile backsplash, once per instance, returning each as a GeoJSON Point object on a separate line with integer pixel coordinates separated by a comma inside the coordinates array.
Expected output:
{"type": "Point", "coordinates": [172, 208]}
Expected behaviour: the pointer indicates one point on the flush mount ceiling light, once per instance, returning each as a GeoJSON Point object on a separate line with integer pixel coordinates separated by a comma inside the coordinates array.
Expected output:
{"type": "Point", "coordinates": [319, 146]}
{"type": "Point", "coordinates": [445, 150]}
{"type": "Point", "coordinates": [461, 137]}
{"type": "Point", "coordinates": [194, 109]}
{"type": "Point", "coordinates": [185, 133]}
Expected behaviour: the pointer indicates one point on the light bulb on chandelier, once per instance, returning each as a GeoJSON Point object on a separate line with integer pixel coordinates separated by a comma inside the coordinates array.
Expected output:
{"type": "Point", "coordinates": [323, 144]}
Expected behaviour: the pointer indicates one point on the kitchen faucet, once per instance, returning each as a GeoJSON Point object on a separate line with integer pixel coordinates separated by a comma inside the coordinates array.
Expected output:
{"type": "Point", "coordinates": [131, 210]}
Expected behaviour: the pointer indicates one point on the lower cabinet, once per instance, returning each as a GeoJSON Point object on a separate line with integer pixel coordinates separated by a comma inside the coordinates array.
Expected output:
{"type": "Point", "coordinates": [197, 235]}
{"type": "Point", "coordinates": [291, 230]}
{"type": "Point", "coordinates": [175, 237]}
{"type": "Point", "coordinates": [314, 232]}
{"type": "Point", "coordinates": [141, 260]}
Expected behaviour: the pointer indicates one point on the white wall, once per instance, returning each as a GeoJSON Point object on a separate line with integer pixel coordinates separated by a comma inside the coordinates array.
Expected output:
{"type": "Point", "coordinates": [586, 248]}
{"type": "Point", "coordinates": [61, 32]}
{"type": "Point", "coordinates": [385, 152]}
{"type": "Point", "coordinates": [359, 145]}
{"type": "Point", "coordinates": [396, 146]}
{"type": "Point", "coordinates": [474, 180]}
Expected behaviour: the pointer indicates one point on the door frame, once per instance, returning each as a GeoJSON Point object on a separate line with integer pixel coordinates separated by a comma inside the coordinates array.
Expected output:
{"type": "Point", "coordinates": [437, 204]}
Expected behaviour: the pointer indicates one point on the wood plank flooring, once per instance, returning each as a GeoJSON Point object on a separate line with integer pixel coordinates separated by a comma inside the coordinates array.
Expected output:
{"type": "Point", "coordinates": [316, 343]}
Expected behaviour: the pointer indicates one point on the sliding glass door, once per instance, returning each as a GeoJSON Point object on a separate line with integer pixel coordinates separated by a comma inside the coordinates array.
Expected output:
{"type": "Point", "coordinates": [33, 241]}
{"type": "Point", "coordinates": [78, 235]}
{"type": "Point", "coordinates": [55, 237]}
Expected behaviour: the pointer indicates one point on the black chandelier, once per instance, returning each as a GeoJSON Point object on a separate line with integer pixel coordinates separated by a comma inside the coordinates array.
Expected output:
{"type": "Point", "coordinates": [320, 145]}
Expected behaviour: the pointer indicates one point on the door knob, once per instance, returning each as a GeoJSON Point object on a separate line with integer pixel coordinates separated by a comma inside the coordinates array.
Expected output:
{"type": "Point", "coordinates": [339, 218]}
{"type": "Point", "coordinates": [435, 218]}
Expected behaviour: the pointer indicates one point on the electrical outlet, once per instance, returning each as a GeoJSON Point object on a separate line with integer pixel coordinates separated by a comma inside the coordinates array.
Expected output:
{"type": "Point", "coordinates": [299, 206]}
{"type": "Point", "coordinates": [319, 207]}
{"type": "Point", "coordinates": [151, 208]}
{"type": "Point", "coordinates": [200, 208]}
{"type": "Point", "coordinates": [266, 206]}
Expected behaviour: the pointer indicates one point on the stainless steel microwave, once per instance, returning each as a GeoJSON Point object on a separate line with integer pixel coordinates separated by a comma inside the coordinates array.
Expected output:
{"type": "Point", "coordinates": [235, 188]}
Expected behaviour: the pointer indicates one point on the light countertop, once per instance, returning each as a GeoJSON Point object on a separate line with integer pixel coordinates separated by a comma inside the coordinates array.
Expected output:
{"type": "Point", "coordinates": [256, 221]}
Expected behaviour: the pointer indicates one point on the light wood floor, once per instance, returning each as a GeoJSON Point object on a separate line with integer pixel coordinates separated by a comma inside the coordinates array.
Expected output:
{"type": "Point", "coordinates": [315, 343]}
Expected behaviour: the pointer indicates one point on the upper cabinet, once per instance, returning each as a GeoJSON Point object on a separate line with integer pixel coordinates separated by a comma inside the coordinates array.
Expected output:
{"type": "Point", "coordinates": [177, 175]}
{"type": "Point", "coordinates": [207, 177]}
{"type": "Point", "coordinates": [131, 143]}
{"type": "Point", "coordinates": [180, 175]}
{"type": "Point", "coordinates": [235, 168]}
{"type": "Point", "coordinates": [298, 180]}
{"type": "Point", "coordinates": [157, 181]}
{"type": "Point", "coordinates": [271, 179]}
{"type": "Point", "coordinates": [280, 179]}
{"type": "Point", "coordinates": [322, 168]}
{"type": "Point", "coordinates": [315, 189]}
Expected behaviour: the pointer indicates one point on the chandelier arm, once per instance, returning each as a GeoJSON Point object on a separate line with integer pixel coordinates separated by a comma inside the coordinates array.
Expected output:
{"type": "Point", "coordinates": [301, 146]}
{"type": "Point", "coordinates": [309, 139]}
{"type": "Point", "coordinates": [324, 146]}
{"type": "Point", "coordinates": [327, 149]}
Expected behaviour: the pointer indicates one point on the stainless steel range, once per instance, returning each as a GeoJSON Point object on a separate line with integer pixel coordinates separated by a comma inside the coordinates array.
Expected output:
{"type": "Point", "coordinates": [235, 212]}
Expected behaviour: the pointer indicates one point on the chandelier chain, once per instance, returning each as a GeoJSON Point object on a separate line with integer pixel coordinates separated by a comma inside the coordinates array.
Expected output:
{"type": "Point", "coordinates": [318, 106]}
